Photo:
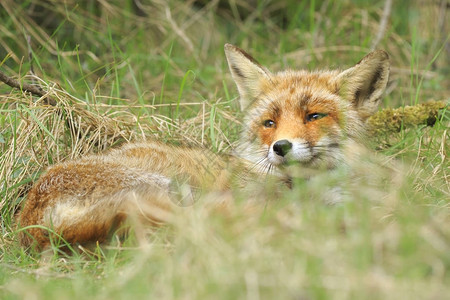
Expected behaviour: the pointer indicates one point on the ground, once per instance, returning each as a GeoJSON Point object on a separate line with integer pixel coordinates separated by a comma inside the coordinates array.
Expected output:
{"type": "Point", "coordinates": [124, 71]}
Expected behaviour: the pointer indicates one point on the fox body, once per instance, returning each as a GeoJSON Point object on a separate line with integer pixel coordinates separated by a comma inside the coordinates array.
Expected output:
{"type": "Point", "coordinates": [304, 119]}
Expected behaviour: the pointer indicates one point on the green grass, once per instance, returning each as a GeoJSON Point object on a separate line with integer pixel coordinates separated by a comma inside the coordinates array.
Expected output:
{"type": "Point", "coordinates": [123, 74]}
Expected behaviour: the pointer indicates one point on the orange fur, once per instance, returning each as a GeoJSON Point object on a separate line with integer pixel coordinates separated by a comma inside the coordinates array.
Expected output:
{"type": "Point", "coordinates": [310, 119]}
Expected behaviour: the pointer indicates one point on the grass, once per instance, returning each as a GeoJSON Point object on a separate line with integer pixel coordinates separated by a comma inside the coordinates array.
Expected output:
{"type": "Point", "coordinates": [122, 73]}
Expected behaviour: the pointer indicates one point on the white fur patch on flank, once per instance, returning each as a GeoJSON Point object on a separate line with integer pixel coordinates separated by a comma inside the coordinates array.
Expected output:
{"type": "Point", "coordinates": [79, 208]}
{"type": "Point", "coordinates": [67, 212]}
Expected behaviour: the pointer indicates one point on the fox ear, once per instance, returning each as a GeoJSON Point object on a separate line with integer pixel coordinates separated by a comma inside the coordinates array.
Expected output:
{"type": "Point", "coordinates": [247, 73]}
{"type": "Point", "coordinates": [365, 83]}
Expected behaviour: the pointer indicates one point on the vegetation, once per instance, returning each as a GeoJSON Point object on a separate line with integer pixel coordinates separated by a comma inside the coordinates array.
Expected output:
{"type": "Point", "coordinates": [133, 70]}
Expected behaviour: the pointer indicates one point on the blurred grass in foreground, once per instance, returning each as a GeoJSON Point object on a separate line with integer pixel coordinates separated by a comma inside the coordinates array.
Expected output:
{"type": "Point", "coordinates": [124, 70]}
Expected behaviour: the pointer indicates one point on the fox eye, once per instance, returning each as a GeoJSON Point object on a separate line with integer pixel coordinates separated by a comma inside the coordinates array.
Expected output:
{"type": "Point", "coordinates": [269, 124]}
{"type": "Point", "coordinates": [315, 116]}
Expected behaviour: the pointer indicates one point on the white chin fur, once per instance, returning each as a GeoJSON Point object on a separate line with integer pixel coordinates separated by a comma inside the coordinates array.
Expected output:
{"type": "Point", "coordinates": [275, 159]}
{"type": "Point", "coordinates": [300, 152]}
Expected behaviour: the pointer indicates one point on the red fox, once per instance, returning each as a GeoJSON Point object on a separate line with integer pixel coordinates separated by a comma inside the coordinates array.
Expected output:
{"type": "Point", "coordinates": [292, 118]}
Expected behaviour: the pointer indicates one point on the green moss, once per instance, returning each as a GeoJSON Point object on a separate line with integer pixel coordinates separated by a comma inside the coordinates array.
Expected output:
{"type": "Point", "coordinates": [391, 120]}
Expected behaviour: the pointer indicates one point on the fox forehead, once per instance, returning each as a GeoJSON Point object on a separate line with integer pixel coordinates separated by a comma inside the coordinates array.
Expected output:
{"type": "Point", "coordinates": [297, 92]}
{"type": "Point", "coordinates": [325, 80]}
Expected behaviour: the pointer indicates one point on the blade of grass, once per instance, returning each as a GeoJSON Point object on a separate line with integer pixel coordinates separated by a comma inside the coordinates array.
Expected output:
{"type": "Point", "coordinates": [180, 93]}
{"type": "Point", "coordinates": [166, 67]}
{"type": "Point", "coordinates": [38, 122]}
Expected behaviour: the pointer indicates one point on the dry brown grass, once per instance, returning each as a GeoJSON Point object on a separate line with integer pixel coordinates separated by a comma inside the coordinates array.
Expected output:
{"type": "Point", "coordinates": [107, 65]}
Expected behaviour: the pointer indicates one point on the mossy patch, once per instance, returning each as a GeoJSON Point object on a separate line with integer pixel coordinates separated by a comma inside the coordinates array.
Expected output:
{"type": "Point", "coordinates": [391, 120]}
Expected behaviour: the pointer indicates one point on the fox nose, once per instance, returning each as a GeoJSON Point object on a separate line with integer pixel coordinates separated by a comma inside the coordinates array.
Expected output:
{"type": "Point", "coordinates": [282, 147]}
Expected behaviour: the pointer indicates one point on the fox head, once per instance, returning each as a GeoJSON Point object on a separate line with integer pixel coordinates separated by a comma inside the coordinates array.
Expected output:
{"type": "Point", "coordinates": [301, 117]}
